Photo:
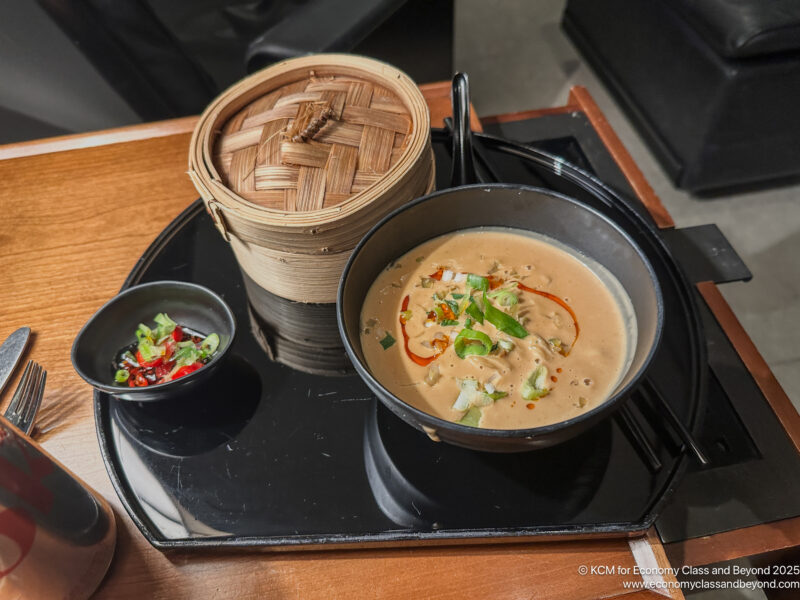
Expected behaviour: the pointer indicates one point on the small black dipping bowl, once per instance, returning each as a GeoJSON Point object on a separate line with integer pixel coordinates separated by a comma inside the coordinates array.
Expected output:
{"type": "Point", "coordinates": [113, 327]}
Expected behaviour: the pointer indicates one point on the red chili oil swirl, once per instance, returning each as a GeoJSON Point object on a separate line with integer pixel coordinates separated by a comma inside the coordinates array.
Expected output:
{"type": "Point", "coordinates": [562, 304]}
{"type": "Point", "coordinates": [420, 360]}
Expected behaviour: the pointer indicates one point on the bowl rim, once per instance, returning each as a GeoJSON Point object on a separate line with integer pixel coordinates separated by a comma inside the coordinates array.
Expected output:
{"type": "Point", "coordinates": [160, 387]}
{"type": "Point", "coordinates": [532, 432]}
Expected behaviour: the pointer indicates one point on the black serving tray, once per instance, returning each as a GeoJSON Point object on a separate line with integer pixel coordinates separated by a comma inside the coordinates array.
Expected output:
{"type": "Point", "coordinates": [273, 456]}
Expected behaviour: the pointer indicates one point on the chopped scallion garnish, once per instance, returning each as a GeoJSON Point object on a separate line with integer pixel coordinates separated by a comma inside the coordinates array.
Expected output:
{"type": "Point", "coordinates": [504, 297]}
{"type": "Point", "coordinates": [165, 325]}
{"type": "Point", "coordinates": [535, 386]}
{"type": "Point", "coordinates": [453, 306]}
{"type": "Point", "coordinates": [503, 322]}
{"type": "Point", "coordinates": [477, 282]}
{"type": "Point", "coordinates": [474, 311]}
{"type": "Point", "coordinates": [469, 342]}
{"type": "Point", "coordinates": [209, 345]}
{"type": "Point", "coordinates": [472, 417]}
{"type": "Point", "coordinates": [387, 341]}
{"type": "Point", "coordinates": [506, 345]}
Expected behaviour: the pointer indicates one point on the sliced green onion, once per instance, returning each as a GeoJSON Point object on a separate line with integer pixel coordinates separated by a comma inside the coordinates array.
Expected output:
{"type": "Point", "coordinates": [496, 395]}
{"type": "Point", "coordinates": [472, 417]}
{"type": "Point", "coordinates": [128, 357]}
{"type": "Point", "coordinates": [458, 296]}
{"type": "Point", "coordinates": [121, 376]}
{"type": "Point", "coordinates": [506, 345]}
{"type": "Point", "coordinates": [535, 386]}
{"type": "Point", "coordinates": [504, 297]}
{"type": "Point", "coordinates": [438, 312]}
{"type": "Point", "coordinates": [149, 350]}
{"type": "Point", "coordinates": [477, 282]}
{"type": "Point", "coordinates": [470, 395]}
{"type": "Point", "coordinates": [448, 323]}
{"type": "Point", "coordinates": [468, 322]}
{"type": "Point", "coordinates": [209, 345]}
{"type": "Point", "coordinates": [387, 341]}
{"type": "Point", "coordinates": [453, 306]}
{"type": "Point", "coordinates": [503, 322]}
{"type": "Point", "coordinates": [186, 355]}
{"type": "Point", "coordinates": [468, 391]}
{"type": "Point", "coordinates": [165, 325]}
{"type": "Point", "coordinates": [143, 332]}
{"type": "Point", "coordinates": [474, 311]}
{"type": "Point", "coordinates": [470, 342]}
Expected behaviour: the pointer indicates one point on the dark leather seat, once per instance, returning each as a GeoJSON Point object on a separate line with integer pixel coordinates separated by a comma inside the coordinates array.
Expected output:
{"type": "Point", "coordinates": [712, 85]}
{"type": "Point", "coordinates": [740, 28]}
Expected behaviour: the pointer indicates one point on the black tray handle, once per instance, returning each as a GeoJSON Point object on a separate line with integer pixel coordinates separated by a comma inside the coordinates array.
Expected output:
{"type": "Point", "coordinates": [463, 172]}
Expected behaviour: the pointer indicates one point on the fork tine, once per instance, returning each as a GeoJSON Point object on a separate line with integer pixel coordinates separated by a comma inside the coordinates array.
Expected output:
{"type": "Point", "coordinates": [19, 393]}
{"type": "Point", "coordinates": [32, 407]}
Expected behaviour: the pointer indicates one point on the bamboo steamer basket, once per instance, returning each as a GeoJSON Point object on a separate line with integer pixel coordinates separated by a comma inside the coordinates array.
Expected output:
{"type": "Point", "coordinates": [298, 161]}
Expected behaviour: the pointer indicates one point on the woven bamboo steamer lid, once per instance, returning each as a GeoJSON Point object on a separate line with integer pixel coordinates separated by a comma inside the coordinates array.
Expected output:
{"type": "Point", "coordinates": [296, 162]}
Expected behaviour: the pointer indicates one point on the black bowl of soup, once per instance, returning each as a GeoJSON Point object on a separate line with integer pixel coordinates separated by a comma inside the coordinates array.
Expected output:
{"type": "Point", "coordinates": [500, 317]}
{"type": "Point", "coordinates": [184, 330]}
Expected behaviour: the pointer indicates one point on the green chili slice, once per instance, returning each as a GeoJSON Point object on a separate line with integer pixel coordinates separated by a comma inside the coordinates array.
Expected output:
{"type": "Point", "coordinates": [470, 342]}
{"type": "Point", "coordinates": [448, 323]}
{"type": "Point", "coordinates": [121, 376]}
{"type": "Point", "coordinates": [503, 322]}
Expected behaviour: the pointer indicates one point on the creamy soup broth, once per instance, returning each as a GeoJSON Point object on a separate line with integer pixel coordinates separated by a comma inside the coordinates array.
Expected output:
{"type": "Point", "coordinates": [524, 369]}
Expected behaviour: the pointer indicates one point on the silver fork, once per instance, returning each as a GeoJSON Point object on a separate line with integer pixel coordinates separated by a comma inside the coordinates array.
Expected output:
{"type": "Point", "coordinates": [27, 397]}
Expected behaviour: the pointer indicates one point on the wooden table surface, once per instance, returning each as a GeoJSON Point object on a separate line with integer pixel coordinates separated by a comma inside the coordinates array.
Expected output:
{"type": "Point", "coordinates": [76, 214]}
